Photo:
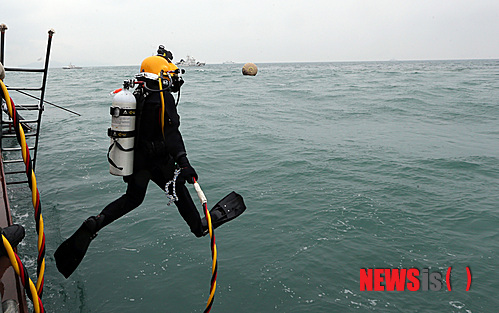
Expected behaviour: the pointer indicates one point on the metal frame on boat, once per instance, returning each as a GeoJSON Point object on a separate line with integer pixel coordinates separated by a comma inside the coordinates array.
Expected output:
{"type": "Point", "coordinates": [12, 169]}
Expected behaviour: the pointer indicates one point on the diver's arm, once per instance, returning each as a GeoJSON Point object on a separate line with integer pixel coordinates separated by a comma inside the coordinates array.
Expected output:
{"type": "Point", "coordinates": [175, 144]}
{"type": "Point", "coordinates": [173, 138]}
{"type": "Point", "coordinates": [174, 141]}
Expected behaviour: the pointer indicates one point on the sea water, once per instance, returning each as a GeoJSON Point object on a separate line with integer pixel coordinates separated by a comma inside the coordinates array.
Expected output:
{"type": "Point", "coordinates": [342, 166]}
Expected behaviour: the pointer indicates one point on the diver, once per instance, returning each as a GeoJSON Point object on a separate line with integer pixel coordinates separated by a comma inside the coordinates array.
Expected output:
{"type": "Point", "coordinates": [159, 155]}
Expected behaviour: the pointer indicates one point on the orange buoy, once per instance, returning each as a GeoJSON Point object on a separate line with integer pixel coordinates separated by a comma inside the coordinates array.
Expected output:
{"type": "Point", "coordinates": [250, 69]}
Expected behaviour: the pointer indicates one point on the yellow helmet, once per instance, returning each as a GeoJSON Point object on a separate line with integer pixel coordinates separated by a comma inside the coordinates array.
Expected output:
{"type": "Point", "coordinates": [154, 65]}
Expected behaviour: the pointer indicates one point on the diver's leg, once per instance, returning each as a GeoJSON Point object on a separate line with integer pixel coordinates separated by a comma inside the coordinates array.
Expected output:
{"type": "Point", "coordinates": [70, 253]}
{"type": "Point", "coordinates": [135, 194]}
{"type": "Point", "coordinates": [188, 210]}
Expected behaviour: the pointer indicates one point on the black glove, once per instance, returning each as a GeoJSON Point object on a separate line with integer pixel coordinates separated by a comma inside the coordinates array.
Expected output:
{"type": "Point", "coordinates": [187, 172]}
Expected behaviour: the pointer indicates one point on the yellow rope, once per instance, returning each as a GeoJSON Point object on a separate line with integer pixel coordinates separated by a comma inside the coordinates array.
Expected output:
{"type": "Point", "coordinates": [34, 188]}
{"type": "Point", "coordinates": [15, 265]}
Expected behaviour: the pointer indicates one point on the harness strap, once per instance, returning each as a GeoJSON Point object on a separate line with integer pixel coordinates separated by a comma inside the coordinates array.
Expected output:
{"type": "Point", "coordinates": [119, 146]}
{"type": "Point", "coordinates": [116, 111]}
{"type": "Point", "coordinates": [120, 133]}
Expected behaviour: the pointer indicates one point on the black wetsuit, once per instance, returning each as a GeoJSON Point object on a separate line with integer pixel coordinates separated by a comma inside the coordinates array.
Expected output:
{"type": "Point", "coordinates": [155, 159]}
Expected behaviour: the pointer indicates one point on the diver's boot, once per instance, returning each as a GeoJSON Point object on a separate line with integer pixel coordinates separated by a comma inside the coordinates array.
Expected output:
{"type": "Point", "coordinates": [227, 209]}
{"type": "Point", "coordinates": [70, 253]}
{"type": "Point", "coordinates": [14, 234]}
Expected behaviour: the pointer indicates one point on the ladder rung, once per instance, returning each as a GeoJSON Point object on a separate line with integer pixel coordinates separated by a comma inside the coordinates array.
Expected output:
{"type": "Point", "coordinates": [26, 107]}
{"type": "Point", "coordinates": [28, 121]}
{"type": "Point", "coordinates": [15, 172]}
{"type": "Point", "coordinates": [18, 69]}
{"type": "Point", "coordinates": [14, 135]}
{"type": "Point", "coordinates": [13, 161]}
{"type": "Point", "coordinates": [21, 120]}
{"type": "Point", "coordinates": [25, 88]}
{"type": "Point", "coordinates": [17, 149]}
{"type": "Point", "coordinates": [17, 182]}
{"type": "Point", "coordinates": [7, 124]}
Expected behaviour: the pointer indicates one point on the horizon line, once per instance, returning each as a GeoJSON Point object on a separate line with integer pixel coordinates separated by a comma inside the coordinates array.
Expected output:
{"type": "Point", "coordinates": [304, 62]}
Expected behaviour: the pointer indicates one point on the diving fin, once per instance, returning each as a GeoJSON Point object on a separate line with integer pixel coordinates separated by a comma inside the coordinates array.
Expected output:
{"type": "Point", "coordinates": [70, 253]}
{"type": "Point", "coordinates": [227, 209]}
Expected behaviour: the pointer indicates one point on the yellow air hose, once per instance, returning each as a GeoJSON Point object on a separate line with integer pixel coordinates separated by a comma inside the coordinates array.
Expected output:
{"type": "Point", "coordinates": [202, 198]}
{"type": "Point", "coordinates": [162, 113]}
{"type": "Point", "coordinates": [214, 265]}
{"type": "Point", "coordinates": [35, 292]}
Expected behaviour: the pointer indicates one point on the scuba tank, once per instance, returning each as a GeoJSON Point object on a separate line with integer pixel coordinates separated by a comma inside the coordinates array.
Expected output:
{"type": "Point", "coordinates": [123, 110]}
{"type": "Point", "coordinates": [122, 132]}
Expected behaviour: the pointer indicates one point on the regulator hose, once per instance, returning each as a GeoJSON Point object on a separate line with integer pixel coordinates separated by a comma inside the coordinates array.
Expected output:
{"type": "Point", "coordinates": [38, 291]}
{"type": "Point", "coordinates": [162, 113]}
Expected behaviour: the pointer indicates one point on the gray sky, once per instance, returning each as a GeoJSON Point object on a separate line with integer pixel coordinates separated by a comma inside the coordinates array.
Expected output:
{"type": "Point", "coordinates": [105, 32]}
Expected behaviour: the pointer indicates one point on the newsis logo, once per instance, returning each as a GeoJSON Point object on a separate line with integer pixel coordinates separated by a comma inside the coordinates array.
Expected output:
{"type": "Point", "coordinates": [411, 279]}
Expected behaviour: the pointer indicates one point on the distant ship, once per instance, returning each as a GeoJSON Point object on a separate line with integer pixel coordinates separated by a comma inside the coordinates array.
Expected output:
{"type": "Point", "coordinates": [71, 67]}
{"type": "Point", "coordinates": [190, 61]}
